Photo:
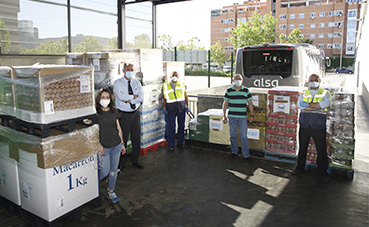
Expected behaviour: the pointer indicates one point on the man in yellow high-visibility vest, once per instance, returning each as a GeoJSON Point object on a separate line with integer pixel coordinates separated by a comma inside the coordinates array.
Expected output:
{"type": "Point", "coordinates": [313, 103]}
{"type": "Point", "coordinates": [175, 105]}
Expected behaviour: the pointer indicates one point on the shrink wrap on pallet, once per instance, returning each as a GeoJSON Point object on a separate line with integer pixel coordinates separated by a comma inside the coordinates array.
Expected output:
{"type": "Point", "coordinates": [7, 99]}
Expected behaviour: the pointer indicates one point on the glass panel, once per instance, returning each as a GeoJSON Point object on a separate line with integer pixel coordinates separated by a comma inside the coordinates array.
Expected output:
{"type": "Point", "coordinates": [94, 25]}
{"type": "Point", "coordinates": [29, 27]}
{"type": "Point", "coordinates": [139, 25]}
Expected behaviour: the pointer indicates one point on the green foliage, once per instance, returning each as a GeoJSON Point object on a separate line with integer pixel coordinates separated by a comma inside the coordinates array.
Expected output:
{"type": "Point", "coordinates": [90, 44]}
{"type": "Point", "coordinates": [192, 44]}
{"type": "Point", "coordinates": [218, 54]}
{"type": "Point", "coordinates": [48, 47]}
{"type": "Point", "coordinates": [4, 38]}
{"type": "Point", "coordinates": [112, 43]}
{"type": "Point", "coordinates": [258, 30]}
{"type": "Point", "coordinates": [204, 72]}
{"type": "Point", "coordinates": [166, 42]}
{"type": "Point", "coordinates": [346, 62]}
{"type": "Point", "coordinates": [140, 41]}
{"type": "Point", "coordinates": [293, 37]}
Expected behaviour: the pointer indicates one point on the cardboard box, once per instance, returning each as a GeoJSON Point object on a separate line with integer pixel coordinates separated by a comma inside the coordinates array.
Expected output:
{"type": "Point", "coordinates": [170, 66]}
{"type": "Point", "coordinates": [55, 150]}
{"type": "Point", "coordinates": [7, 99]}
{"type": "Point", "coordinates": [218, 131]}
{"type": "Point", "coordinates": [53, 192]}
{"type": "Point", "coordinates": [49, 93]}
{"type": "Point", "coordinates": [9, 180]}
{"type": "Point", "coordinates": [256, 134]}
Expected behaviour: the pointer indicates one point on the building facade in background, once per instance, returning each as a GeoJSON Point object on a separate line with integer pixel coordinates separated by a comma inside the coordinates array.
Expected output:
{"type": "Point", "coordinates": [330, 24]}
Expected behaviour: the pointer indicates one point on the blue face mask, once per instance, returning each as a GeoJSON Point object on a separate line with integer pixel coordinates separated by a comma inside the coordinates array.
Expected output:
{"type": "Point", "coordinates": [129, 74]}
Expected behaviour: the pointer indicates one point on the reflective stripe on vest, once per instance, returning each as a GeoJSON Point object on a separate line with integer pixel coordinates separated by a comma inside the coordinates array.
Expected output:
{"type": "Point", "coordinates": [174, 95]}
{"type": "Point", "coordinates": [319, 96]}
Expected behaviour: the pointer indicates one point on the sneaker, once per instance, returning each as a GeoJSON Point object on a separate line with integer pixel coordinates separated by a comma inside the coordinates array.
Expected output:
{"type": "Point", "coordinates": [113, 197]}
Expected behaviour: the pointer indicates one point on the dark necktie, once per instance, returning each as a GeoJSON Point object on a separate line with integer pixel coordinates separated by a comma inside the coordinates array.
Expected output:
{"type": "Point", "coordinates": [130, 92]}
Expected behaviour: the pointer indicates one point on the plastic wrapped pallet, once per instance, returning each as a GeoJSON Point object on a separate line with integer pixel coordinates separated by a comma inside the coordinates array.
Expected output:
{"type": "Point", "coordinates": [7, 99]}
{"type": "Point", "coordinates": [108, 66]}
{"type": "Point", "coordinates": [9, 179]}
{"type": "Point", "coordinates": [283, 120]}
{"type": "Point", "coordinates": [58, 149]}
{"type": "Point", "coordinates": [256, 134]}
{"type": "Point", "coordinates": [199, 128]}
{"type": "Point", "coordinates": [50, 93]}
{"type": "Point", "coordinates": [260, 102]}
{"type": "Point", "coordinates": [343, 130]}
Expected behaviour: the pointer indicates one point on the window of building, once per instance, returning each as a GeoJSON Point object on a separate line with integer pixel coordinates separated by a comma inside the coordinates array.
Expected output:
{"type": "Point", "coordinates": [312, 15]}
{"type": "Point", "coordinates": [321, 35]}
{"type": "Point", "coordinates": [230, 20]}
{"type": "Point", "coordinates": [292, 16]}
{"type": "Point", "coordinates": [337, 34]}
{"type": "Point", "coordinates": [226, 30]}
{"type": "Point", "coordinates": [330, 35]}
{"type": "Point", "coordinates": [282, 16]}
{"type": "Point", "coordinates": [322, 14]}
{"type": "Point", "coordinates": [221, 21]}
{"type": "Point", "coordinates": [337, 45]}
{"type": "Point", "coordinates": [338, 12]}
{"type": "Point", "coordinates": [351, 37]}
{"type": "Point", "coordinates": [221, 30]}
{"type": "Point", "coordinates": [351, 25]}
{"type": "Point", "coordinates": [292, 26]}
{"type": "Point", "coordinates": [301, 36]}
{"type": "Point", "coordinates": [329, 45]}
{"type": "Point", "coordinates": [321, 46]}
{"type": "Point", "coordinates": [226, 21]}
{"type": "Point", "coordinates": [321, 25]}
{"type": "Point", "coordinates": [331, 24]}
{"type": "Point", "coordinates": [312, 26]}
{"type": "Point", "coordinates": [301, 15]}
{"type": "Point", "coordinates": [282, 26]}
{"type": "Point", "coordinates": [350, 48]}
{"type": "Point", "coordinates": [331, 13]}
{"type": "Point", "coordinates": [312, 36]}
{"type": "Point", "coordinates": [352, 14]}
{"type": "Point", "coordinates": [301, 25]}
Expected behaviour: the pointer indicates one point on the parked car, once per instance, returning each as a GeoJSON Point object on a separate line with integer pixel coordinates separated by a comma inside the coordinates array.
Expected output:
{"type": "Point", "coordinates": [343, 70]}
{"type": "Point", "coordinates": [226, 68]}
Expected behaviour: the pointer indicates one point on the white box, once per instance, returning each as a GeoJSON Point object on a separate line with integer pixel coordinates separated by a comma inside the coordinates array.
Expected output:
{"type": "Point", "coordinates": [9, 180]}
{"type": "Point", "coordinates": [51, 193]}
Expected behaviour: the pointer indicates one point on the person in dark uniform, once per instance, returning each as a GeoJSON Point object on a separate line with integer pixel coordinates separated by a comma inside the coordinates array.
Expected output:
{"type": "Point", "coordinates": [128, 98]}
{"type": "Point", "coordinates": [314, 103]}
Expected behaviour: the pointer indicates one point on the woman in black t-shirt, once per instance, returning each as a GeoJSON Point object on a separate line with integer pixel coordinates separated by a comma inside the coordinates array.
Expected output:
{"type": "Point", "coordinates": [111, 140]}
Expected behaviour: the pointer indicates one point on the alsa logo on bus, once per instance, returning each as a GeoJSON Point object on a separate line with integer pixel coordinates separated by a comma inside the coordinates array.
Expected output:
{"type": "Point", "coordinates": [265, 83]}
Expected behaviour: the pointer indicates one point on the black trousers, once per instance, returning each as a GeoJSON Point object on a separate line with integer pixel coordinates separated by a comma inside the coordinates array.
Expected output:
{"type": "Point", "coordinates": [320, 140]}
{"type": "Point", "coordinates": [130, 123]}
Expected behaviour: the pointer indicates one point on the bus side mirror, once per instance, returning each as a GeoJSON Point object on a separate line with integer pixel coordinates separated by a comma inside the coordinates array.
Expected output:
{"type": "Point", "coordinates": [327, 61]}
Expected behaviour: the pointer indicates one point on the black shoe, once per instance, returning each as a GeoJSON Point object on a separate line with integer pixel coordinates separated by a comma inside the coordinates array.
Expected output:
{"type": "Point", "coordinates": [138, 165]}
{"type": "Point", "coordinates": [297, 172]}
{"type": "Point", "coordinates": [323, 179]}
{"type": "Point", "coordinates": [171, 149]}
{"type": "Point", "coordinates": [249, 160]}
{"type": "Point", "coordinates": [233, 156]}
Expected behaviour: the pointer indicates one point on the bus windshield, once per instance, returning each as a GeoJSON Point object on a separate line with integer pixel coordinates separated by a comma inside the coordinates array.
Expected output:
{"type": "Point", "coordinates": [267, 61]}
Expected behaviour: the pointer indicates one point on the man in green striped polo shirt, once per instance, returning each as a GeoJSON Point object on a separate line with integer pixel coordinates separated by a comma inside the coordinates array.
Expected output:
{"type": "Point", "coordinates": [236, 99]}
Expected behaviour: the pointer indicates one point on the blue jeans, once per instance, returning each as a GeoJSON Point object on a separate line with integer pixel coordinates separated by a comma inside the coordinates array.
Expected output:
{"type": "Point", "coordinates": [241, 123]}
{"type": "Point", "coordinates": [172, 128]}
{"type": "Point", "coordinates": [109, 164]}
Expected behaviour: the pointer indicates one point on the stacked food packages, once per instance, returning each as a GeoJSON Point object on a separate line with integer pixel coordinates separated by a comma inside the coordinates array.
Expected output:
{"type": "Point", "coordinates": [282, 122]}
{"type": "Point", "coordinates": [199, 126]}
{"type": "Point", "coordinates": [343, 130]}
{"type": "Point", "coordinates": [311, 156]}
{"type": "Point", "coordinates": [47, 93]}
{"type": "Point", "coordinates": [256, 132]}
{"type": "Point", "coordinates": [49, 176]}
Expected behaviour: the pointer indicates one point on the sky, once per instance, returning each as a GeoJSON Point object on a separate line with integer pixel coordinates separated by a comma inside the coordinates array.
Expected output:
{"type": "Point", "coordinates": [189, 19]}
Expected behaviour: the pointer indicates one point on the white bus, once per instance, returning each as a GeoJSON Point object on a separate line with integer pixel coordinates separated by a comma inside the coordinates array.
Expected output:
{"type": "Point", "coordinates": [272, 65]}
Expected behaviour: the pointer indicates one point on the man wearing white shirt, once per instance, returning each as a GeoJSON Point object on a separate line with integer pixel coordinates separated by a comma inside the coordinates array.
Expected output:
{"type": "Point", "coordinates": [128, 98]}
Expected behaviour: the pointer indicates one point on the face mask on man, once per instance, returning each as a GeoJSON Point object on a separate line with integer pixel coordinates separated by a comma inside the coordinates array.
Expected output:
{"type": "Point", "coordinates": [129, 74]}
{"type": "Point", "coordinates": [314, 84]}
{"type": "Point", "coordinates": [237, 83]}
{"type": "Point", "coordinates": [174, 79]}
{"type": "Point", "coordinates": [104, 102]}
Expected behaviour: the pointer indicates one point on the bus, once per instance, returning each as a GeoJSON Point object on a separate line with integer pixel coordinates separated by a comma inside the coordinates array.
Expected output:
{"type": "Point", "coordinates": [272, 65]}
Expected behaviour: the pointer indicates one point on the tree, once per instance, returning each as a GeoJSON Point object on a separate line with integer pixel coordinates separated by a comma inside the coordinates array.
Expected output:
{"type": "Point", "coordinates": [48, 47]}
{"type": "Point", "coordinates": [140, 41]}
{"type": "Point", "coordinates": [166, 42]}
{"type": "Point", "coordinates": [4, 38]}
{"type": "Point", "coordinates": [112, 43]}
{"type": "Point", "coordinates": [258, 30]}
{"type": "Point", "coordinates": [192, 44]}
{"type": "Point", "coordinates": [293, 37]}
{"type": "Point", "coordinates": [89, 44]}
{"type": "Point", "coordinates": [217, 53]}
